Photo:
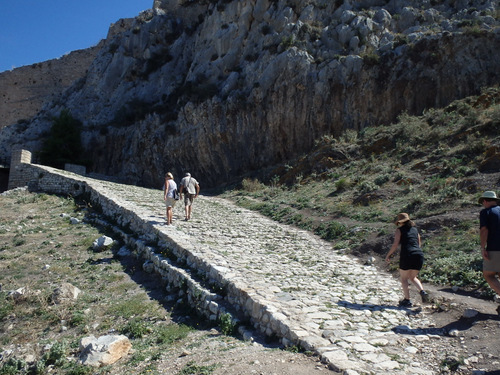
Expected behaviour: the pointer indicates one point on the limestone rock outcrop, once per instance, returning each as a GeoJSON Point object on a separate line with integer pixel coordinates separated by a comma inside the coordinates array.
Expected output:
{"type": "Point", "coordinates": [103, 351]}
{"type": "Point", "coordinates": [65, 293]}
{"type": "Point", "coordinates": [224, 88]}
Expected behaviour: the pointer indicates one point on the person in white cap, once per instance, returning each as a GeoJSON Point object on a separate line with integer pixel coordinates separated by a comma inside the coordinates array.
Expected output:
{"type": "Point", "coordinates": [192, 189]}
{"type": "Point", "coordinates": [489, 235]}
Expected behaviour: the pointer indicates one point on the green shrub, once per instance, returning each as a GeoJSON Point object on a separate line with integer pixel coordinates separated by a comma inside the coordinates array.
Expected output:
{"type": "Point", "coordinates": [78, 318]}
{"type": "Point", "coordinates": [342, 184]}
{"type": "Point", "coordinates": [288, 42]}
{"type": "Point", "coordinates": [63, 144]}
{"type": "Point", "coordinates": [6, 305]}
{"type": "Point", "coordinates": [193, 369]}
{"type": "Point", "coordinates": [382, 179]}
{"type": "Point", "coordinates": [13, 366]}
{"type": "Point", "coordinates": [56, 356]}
{"type": "Point", "coordinates": [330, 231]}
{"type": "Point", "coordinates": [136, 328]}
{"type": "Point", "coordinates": [78, 369]}
{"type": "Point", "coordinates": [366, 187]}
{"type": "Point", "coordinates": [227, 325]}
{"type": "Point", "coordinates": [252, 185]}
{"type": "Point", "coordinates": [495, 116]}
{"type": "Point", "coordinates": [167, 334]}
{"type": "Point", "coordinates": [133, 306]}
{"type": "Point", "coordinates": [452, 267]}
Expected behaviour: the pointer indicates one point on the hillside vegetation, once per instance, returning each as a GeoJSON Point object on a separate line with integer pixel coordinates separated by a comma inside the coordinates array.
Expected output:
{"type": "Point", "coordinates": [433, 166]}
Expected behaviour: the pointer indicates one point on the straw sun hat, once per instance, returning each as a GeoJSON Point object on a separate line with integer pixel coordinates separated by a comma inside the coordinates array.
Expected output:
{"type": "Point", "coordinates": [402, 218]}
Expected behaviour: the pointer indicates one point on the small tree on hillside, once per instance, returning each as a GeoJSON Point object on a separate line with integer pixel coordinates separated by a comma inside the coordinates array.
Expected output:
{"type": "Point", "coordinates": [63, 144]}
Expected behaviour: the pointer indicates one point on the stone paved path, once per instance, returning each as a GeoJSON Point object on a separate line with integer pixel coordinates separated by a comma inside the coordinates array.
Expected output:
{"type": "Point", "coordinates": [343, 310]}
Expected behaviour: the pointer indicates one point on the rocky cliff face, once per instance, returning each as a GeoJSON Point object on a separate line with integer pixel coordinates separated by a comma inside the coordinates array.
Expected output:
{"type": "Point", "coordinates": [226, 87]}
{"type": "Point", "coordinates": [25, 90]}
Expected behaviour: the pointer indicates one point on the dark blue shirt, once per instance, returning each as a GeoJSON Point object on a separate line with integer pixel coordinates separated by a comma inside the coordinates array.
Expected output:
{"type": "Point", "coordinates": [490, 218]}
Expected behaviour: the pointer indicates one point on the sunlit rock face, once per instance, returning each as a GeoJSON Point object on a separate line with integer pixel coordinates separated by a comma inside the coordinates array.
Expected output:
{"type": "Point", "coordinates": [226, 88]}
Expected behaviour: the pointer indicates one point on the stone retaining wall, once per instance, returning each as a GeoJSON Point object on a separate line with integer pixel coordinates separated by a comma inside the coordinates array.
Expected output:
{"type": "Point", "coordinates": [174, 263]}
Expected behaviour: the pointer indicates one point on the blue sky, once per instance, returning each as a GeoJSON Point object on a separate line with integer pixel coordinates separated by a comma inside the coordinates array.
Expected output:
{"type": "Point", "coordinates": [33, 31]}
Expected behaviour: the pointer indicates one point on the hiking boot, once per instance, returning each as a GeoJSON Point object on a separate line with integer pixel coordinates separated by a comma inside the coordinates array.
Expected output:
{"type": "Point", "coordinates": [424, 295]}
{"type": "Point", "coordinates": [405, 303]}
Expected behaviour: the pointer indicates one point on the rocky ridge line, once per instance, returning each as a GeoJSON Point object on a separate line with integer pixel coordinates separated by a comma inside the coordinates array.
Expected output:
{"type": "Point", "coordinates": [209, 76]}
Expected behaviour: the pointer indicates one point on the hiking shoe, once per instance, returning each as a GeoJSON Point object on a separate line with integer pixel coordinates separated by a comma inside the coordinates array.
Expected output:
{"type": "Point", "coordinates": [424, 295]}
{"type": "Point", "coordinates": [405, 303]}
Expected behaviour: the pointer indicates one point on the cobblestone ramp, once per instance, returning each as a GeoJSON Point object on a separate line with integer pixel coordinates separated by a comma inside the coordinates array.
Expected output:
{"type": "Point", "coordinates": [293, 285]}
{"type": "Point", "coordinates": [287, 282]}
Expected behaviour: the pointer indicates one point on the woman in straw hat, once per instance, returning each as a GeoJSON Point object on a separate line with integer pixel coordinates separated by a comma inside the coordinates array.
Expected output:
{"type": "Point", "coordinates": [411, 258]}
{"type": "Point", "coordinates": [168, 196]}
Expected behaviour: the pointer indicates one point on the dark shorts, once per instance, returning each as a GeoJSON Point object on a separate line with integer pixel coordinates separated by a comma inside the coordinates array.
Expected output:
{"type": "Point", "coordinates": [411, 262]}
{"type": "Point", "coordinates": [188, 199]}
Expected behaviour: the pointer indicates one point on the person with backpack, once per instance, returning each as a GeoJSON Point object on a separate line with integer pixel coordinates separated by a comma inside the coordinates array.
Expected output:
{"type": "Point", "coordinates": [192, 189]}
{"type": "Point", "coordinates": [411, 258]}
{"type": "Point", "coordinates": [169, 191]}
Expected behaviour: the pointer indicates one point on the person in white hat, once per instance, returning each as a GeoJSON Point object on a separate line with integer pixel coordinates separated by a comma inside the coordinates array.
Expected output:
{"type": "Point", "coordinates": [489, 234]}
{"type": "Point", "coordinates": [190, 188]}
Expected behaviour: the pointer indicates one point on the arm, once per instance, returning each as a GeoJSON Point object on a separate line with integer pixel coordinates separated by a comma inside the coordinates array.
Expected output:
{"type": "Point", "coordinates": [395, 244]}
{"type": "Point", "coordinates": [419, 241]}
{"type": "Point", "coordinates": [197, 190]}
{"type": "Point", "coordinates": [483, 237]}
{"type": "Point", "coordinates": [181, 189]}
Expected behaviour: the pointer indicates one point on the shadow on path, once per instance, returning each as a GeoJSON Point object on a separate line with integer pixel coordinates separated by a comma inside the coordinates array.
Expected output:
{"type": "Point", "coordinates": [461, 324]}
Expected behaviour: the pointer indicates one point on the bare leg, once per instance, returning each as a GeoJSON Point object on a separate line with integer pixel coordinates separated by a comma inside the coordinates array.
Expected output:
{"type": "Point", "coordinates": [169, 215]}
{"type": "Point", "coordinates": [492, 280]}
{"type": "Point", "coordinates": [413, 278]}
{"type": "Point", "coordinates": [403, 274]}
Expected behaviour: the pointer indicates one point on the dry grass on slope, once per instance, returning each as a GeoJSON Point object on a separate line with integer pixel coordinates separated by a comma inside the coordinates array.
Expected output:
{"type": "Point", "coordinates": [40, 250]}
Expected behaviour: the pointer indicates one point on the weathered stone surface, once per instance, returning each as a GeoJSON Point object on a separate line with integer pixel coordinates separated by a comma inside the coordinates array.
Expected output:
{"type": "Point", "coordinates": [103, 351]}
{"type": "Point", "coordinates": [66, 292]}
{"type": "Point", "coordinates": [102, 242]}
{"type": "Point", "coordinates": [30, 87]}
{"type": "Point", "coordinates": [470, 313]}
{"type": "Point", "coordinates": [18, 294]}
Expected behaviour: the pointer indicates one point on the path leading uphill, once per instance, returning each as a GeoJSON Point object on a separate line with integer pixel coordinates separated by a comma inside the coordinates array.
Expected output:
{"type": "Point", "coordinates": [341, 309]}
{"type": "Point", "coordinates": [294, 286]}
